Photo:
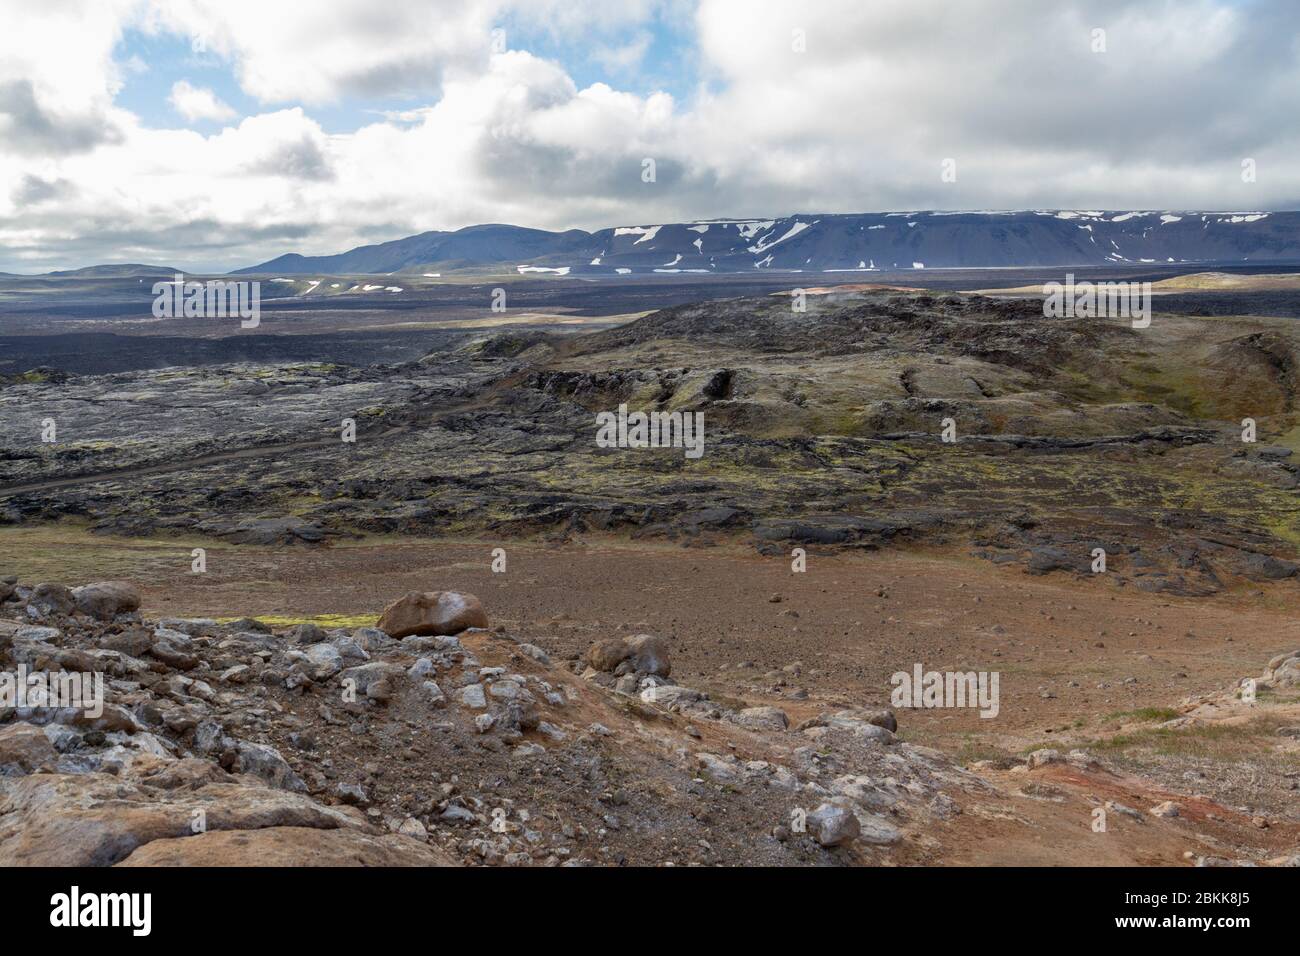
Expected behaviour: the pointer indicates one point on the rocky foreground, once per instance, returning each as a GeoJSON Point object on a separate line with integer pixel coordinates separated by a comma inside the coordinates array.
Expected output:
{"type": "Point", "coordinates": [435, 739]}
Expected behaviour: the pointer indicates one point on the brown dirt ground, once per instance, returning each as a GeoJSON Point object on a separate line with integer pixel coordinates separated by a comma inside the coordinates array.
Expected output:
{"type": "Point", "coordinates": [837, 633]}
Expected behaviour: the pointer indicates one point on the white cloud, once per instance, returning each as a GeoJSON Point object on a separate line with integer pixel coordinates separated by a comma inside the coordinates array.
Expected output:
{"type": "Point", "coordinates": [198, 103]}
{"type": "Point", "coordinates": [861, 120]}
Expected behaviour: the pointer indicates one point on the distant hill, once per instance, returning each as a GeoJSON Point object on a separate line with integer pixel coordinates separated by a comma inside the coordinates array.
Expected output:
{"type": "Point", "coordinates": [113, 271]}
{"type": "Point", "coordinates": [834, 243]}
{"type": "Point", "coordinates": [464, 248]}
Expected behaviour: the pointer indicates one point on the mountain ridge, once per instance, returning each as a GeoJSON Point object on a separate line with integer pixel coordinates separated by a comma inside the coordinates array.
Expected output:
{"type": "Point", "coordinates": [834, 242]}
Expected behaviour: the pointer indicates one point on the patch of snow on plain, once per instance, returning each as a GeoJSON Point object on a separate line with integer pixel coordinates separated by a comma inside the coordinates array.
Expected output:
{"type": "Point", "coordinates": [676, 259]}
{"type": "Point", "coordinates": [1166, 218]}
{"type": "Point", "coordinates": [561, 271]}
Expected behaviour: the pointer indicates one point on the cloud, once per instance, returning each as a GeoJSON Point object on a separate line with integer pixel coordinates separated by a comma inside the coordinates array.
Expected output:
{"type": "Point", "coordinates": [29, 127]}
{"type": "Point", "coordinates": [357, 48]}
{"type": "Point", "coordinates": [33, 189]}
{"type": "Point", "coordinates": [57, 77]}
{"type": "Point", "coordinates": [858, 115]}
{"type": "Point", "coordinates": [198, 103]}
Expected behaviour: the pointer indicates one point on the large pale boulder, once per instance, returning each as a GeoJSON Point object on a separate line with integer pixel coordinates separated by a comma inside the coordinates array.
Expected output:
{"type": "Point", "coordinates": [105, 600]}
{"type": "Point", "coordinates": [98, 819]}
{"type": "Point", "coordinates": [287, 846]}
{"type": "Point", "coordinates": [432, 613]}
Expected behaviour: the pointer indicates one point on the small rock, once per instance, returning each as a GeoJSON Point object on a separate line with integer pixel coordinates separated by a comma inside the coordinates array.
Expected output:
{"type": "Point", "coordinates": [830, 825]}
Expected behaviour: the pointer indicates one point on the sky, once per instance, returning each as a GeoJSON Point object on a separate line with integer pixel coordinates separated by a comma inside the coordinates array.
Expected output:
{"type": "Point", "coordinates": [214, 134]}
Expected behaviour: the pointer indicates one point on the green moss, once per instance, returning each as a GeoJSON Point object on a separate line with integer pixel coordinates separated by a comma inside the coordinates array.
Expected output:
{"type": "Point", "coordinates": [327, 621]}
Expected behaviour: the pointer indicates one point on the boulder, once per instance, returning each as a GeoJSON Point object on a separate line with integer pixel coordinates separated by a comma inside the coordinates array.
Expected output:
{"type": "Point", "coordinates": [1283, 670]}
{"type": "Point", "coordinates": [606, 655]}
{"type": "Point", "coordinates": [266, 763]}
{"type": "Point", "coordinates": [134, 642]}
{"type": "Point", "coordinates": [472, 696]}
{"type": "Point", "coordinates": [307, 633]}
{"type": "Point", "coordinates": [98, 819]}
{"type": "Point", "coordinates": [105, 600]}
{"type": "Point", "coordinates": [830, 825]}
{"type": "Point", "coordinates": [761, 718]}
{"type": "Point", "coordinates": [53, 599]}
{"type": "Point", "coordinates": [288, 846]}
{"type": "Point", "coordinates": [324, 661]}
{"type": "Point", "coordinates": [368, 674]}
{"type": "Point", "coordinates": [666, 695]}
{"type": "Point", "coordinates": [432, 613]}
{"type": "Point", "coordinates": [640, 654]}
{"type": "Point", "coordinates": [649, 654]}
{"type": "Point", "coordinates": [879, 725]}
{"type": "Point", "coordinates": [24, 747]}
